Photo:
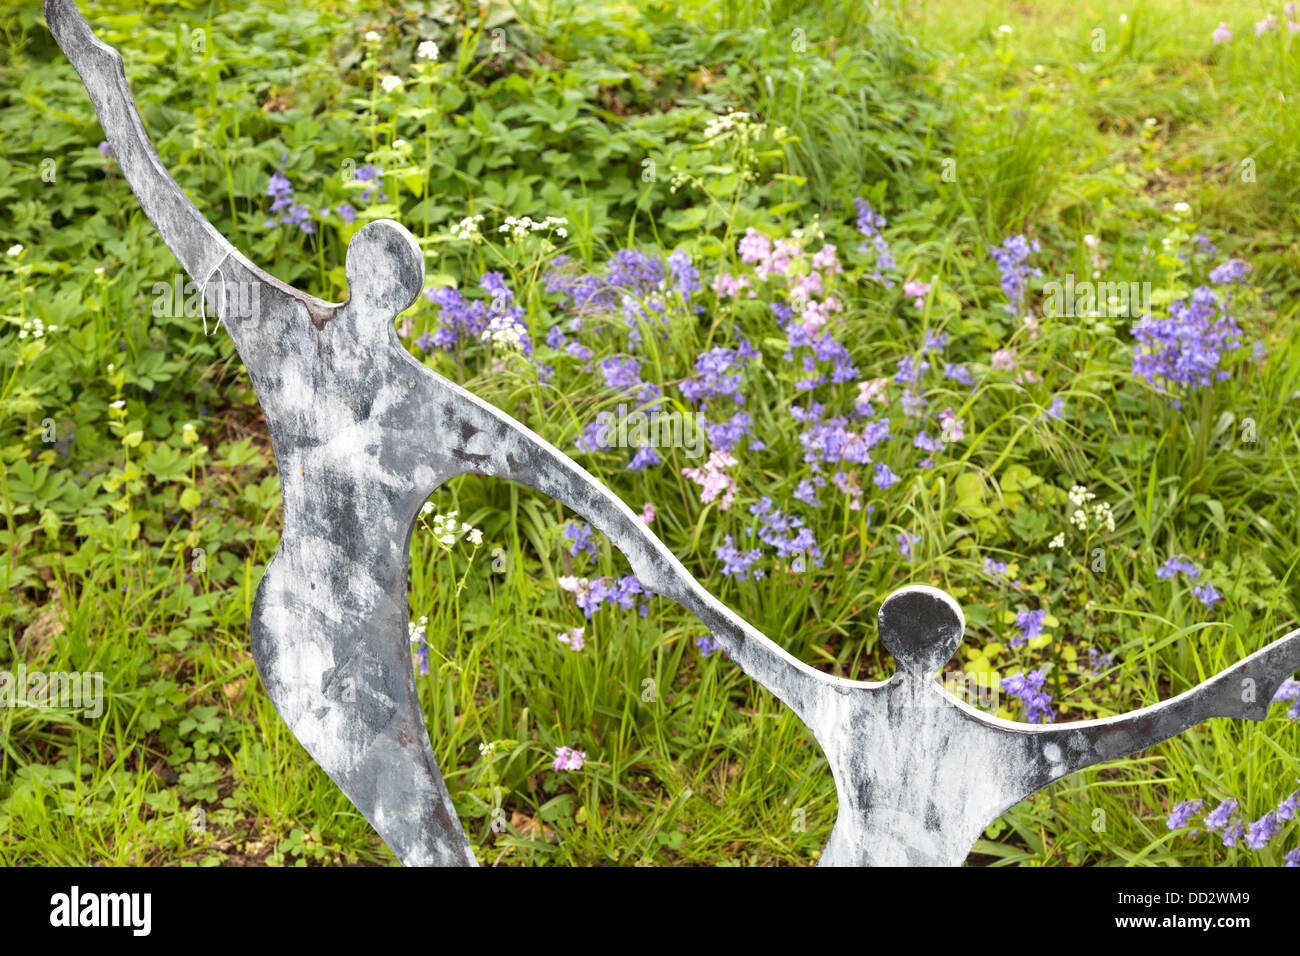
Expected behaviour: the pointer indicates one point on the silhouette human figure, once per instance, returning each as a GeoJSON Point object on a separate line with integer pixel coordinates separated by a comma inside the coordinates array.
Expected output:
{"type": "Point", "coordinates": [363, 434]}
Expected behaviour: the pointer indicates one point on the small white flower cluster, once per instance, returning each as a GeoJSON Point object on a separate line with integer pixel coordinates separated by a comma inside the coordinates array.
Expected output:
{"type": "Point", "coordinates": [427, 50]}
{"type": "Point", "coordinates": [35, 328]}
{"type": "Point", "coordinates": [391, 84]}
{"type": "Point", "coordinates": [447, 529]}
{"type": "Point", "coordinates": [487, 749]}
{"type": "Point", "coordinates": [503, 330]}
{"type": "Point", "coordinates": [15, 250]}
{"type": "Point", "coordinates": [372, 36]}
{"type": "Point", "coordinates": [1058, 541]}
{"type": "Point", "coordinates": [467, 229]}
{"type": "Point", "coordinates": [1102, 516]}
{"type": "Point", "coordinates": [519, 227]}
{"type": "Point", "coordinates": [736, 123]}
{"type": "Point", "coordinates": [416, 632]}
{"type": "Point", "coordinates": [1079, 494]}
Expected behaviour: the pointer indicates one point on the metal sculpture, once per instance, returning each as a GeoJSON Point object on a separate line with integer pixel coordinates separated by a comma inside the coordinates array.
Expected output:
{"type": "Point", "coordinates": [363, 434]}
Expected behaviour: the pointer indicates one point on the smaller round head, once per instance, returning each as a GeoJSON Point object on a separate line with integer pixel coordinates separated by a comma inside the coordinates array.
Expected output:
{"type": "Point", "coordinates": [921, 627]}
{"type": "Point", "coordinates": [384, 268]}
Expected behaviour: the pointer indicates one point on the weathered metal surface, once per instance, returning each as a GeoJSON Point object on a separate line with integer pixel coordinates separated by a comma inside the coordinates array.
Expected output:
{"type": "Point", "coordinates": [363, 434]}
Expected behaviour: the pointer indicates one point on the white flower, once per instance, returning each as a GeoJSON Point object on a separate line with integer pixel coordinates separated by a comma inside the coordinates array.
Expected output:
{"type": "Point", "coordinates": [399, 144]}
{"type": "Point", "coordinates": [476, 537]}
{"type": "Point", "coordinates": [428, 50]}
{"type": "Point", "coordinates": [117, 404]}
{"type": "Point", "coordinates": [1004, 29]}
{"type": "Point", "coordinates": [391, 83]}
{"type": "Point", "coordinates": [467, 229]}
{"type": "Point", "coordinates": [1058, 541]}
{"type": "Point", "coordinates": [1101, 513]}
{"type": "Point", "coordinates": [486, 748]}
{"type": "Point", "coordinates": [15, 250]}
{"type": "Point", "coordinates": [1079, 494]}
{"type": "Point", "coordinates": [372, 37]}
{"type": "Point", "coordinates": [736, 123]}
{"type": "Point", "coordinates": [504, 330]}
{"type": "Point", "coordinates": [99, 270]}
{"type": "Point", "coordinates": [1079, 519]}
{"type": "Point", "coordinates": [426, 508]}
{"type": "Point", "coordinates": [523, 225]}
{"type": "Point", "coordinates": [573, 638]}
{"type": "Point", "coordinates": [1039, 68]}
{"type": "Point", "coordinates": [1182, 208]}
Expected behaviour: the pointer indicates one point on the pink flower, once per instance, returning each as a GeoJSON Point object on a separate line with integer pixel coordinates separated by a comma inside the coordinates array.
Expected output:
{"type": "Point", "coordinates": [754, 246]}
{"type": "Point", "coordinates": [713, 480]}
{"type": "Point", "coordinates": [572, 638]}
{"type": "Point", "coordinates": [815, 315]}
{"type": "Point", "coordinates": [826, 259]}
{"type": "Point", "coordinates": [648, 513]}
{"type": "Point", "coordinates": [1263, 26]}
{"type": "Point", "coordinates": [566, 758]}
{"type": "Point", "coordinates": [951, 428]}
{"type": "Point", "coordinates": [778, 263]}
{"type": "Point", "coordinates": [805, 287]}
{"type": "Point", "coordinates": [1290, 11]}
{"type": "Point", "coordinates": [1004, 360]}
{"type": "Point", "coordinates": [726, 285]}
{"type": "Point", "coordinates": [575, 586]}
{"type": "Point", "coordinates": [868, 391]}
{"type": "Point", "coordinates": [1221, 33]}
{"type": "Point", "coordinates": [916, 291]}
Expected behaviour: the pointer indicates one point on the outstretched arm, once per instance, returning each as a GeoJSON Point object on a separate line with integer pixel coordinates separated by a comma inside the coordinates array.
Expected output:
{"type": "Point", "coordinates": [1243, 690]}
{"type": "Point", "coordinates": [484, 440]}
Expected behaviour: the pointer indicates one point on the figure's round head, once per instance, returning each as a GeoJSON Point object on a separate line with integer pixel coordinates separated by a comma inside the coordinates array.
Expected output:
{"type": "Point", "coordinates": [921, 627]}
{"type": "Point", "coordinates": [384, 268]}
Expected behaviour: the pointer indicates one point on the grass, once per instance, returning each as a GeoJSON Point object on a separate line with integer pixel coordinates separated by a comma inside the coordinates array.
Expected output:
{"type": "Point", "coordinates": [133, 547]}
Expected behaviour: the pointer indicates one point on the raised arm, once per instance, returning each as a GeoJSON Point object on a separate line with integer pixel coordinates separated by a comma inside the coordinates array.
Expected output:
{"type": "Point", "coordinates": [206, 255]}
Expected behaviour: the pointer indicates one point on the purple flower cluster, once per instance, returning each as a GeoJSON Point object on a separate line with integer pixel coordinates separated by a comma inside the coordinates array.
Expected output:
{"type": "Point", "coordinates": [635, 283]}
{"type": "Point", "coordinates": [1099, 662]}
{"type": "Point", "coordinates": [834, 441]}
{"type": "Point", "coordinates": [707, 644]}
{"type": "Point", "coordinates": [737, 563]}
{"type": "Point", "coordinates": [870, 223]}
{"type": "Point", "coordinates": [785, 533]}
{"type": "Point", "coordinates": [1182, 814]}
{"type": "Point", "coordinates": [1234, 270]}
{"type": "Point", "coordinates": [464, 321]}
{"type": "Point", "coordinates": [1012, 258]}
{"type": "Point", "coordinates": [718, 373]}
{"type": "Point", "coordinates": [1029, 688]}
{"type": "Point", "coordinates": [1029, 625]}
{"type": "Point", "coordinates": [1290, 690]}
{"type": "Point", "coordinates": [1232, 830]}
{"type": "Point", "coordinates": [1177, 564]}
{"type": "Point", "coordinates": [906, 542]}
{"type": "Point", "coordinates": [291, 212]}
{"type": "Point", "coordinates": [1181, 564]}
{"type": "Point", "coordinates": [589, 595]}
{"type": "Point", "coordinates": [1186, 349]}
{"type": "Point", "coordinates": [583, 539]}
